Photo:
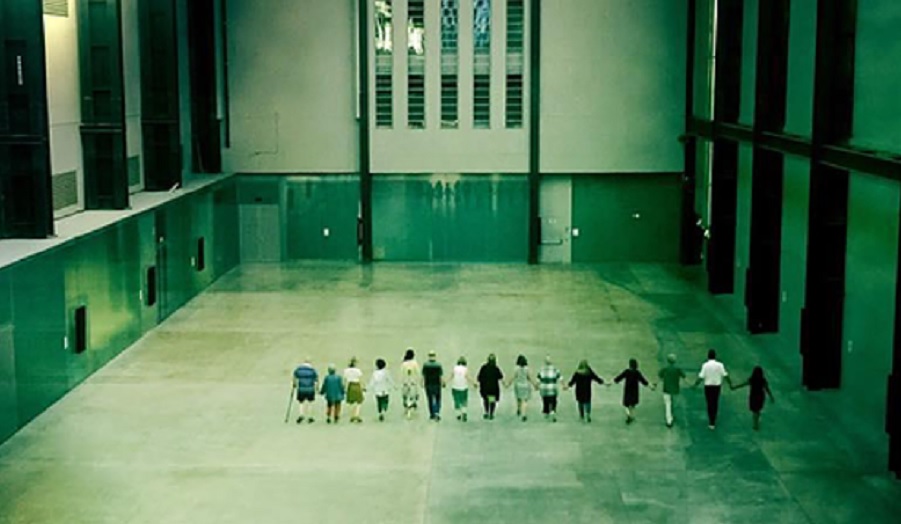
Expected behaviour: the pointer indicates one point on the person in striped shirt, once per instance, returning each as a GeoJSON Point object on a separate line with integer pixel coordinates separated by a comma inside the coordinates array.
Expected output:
{"type": "Point", "coordinates": [549, 387]}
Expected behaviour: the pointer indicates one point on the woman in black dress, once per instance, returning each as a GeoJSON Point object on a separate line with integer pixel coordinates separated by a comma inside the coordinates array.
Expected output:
{"type": "Point", "coordinates": [489, 379]}
{"type": "Point", "coordinates": [633, 378]}
{"type": "Point", "coordinates": [582, 379]}
{"type": "Point", "coordinates": [760, 389]}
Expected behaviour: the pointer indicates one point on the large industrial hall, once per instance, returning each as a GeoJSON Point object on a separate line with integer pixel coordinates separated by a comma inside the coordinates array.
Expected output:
{"type": "Point", "coordinates": [450, 261]}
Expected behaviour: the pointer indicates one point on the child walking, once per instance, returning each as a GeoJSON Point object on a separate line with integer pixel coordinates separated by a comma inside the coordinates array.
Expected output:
{"type": "Point", "coordinates": [410, 372]}
{"type": "Point", "coordinates": [333, 391]}
{"type": "Point", "coordinates": [760, 388]}
{"type": "Point", "coordinates": [582, 379]}
{"type": "Point", "coordinates": [522, 386]}
{"type": "Point", "coordinates": [460, 382]}
{"type": "Point", "coordinates": [381, 384]}
{"type": "Point", "coordinates": [633, 379]}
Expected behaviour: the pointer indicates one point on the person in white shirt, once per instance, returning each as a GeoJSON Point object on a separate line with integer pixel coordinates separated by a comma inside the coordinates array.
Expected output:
{"type": "Point", "coordinates": [712, 374]}
{"type": "Point", "coordinates": [460, 382]}
{"type": "Point", "coordinates": [381, 384]}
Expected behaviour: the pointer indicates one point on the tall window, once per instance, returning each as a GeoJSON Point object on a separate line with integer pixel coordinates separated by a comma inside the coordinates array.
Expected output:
{"type": "Point", "coordinates": [416, 64]}
{"type": "Point", "coordinates": [384, 64]}
{"type": "Point", "coordinates": [450, 10]}
{"type": "Point", "coordinates": [481, 114]}
{"type": "Point", "coordinates": [515, 64]}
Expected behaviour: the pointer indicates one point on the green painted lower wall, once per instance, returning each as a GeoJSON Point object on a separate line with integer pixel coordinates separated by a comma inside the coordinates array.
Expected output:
{"type": "Point", "coordinates": [106, 272]}
{"type": "Point", "coordinates": [871, 262]}
{"type": "Point", "coordinates": [462, 218]}
{"type": "Point", "coordinates": [626, 218]}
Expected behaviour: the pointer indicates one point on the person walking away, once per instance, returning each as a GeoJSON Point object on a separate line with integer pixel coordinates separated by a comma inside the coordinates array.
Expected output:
{"type": "Point", "coordinates": [333, 391]}
{"type": "Point", "coordinates": [381, 385]}
{"type": "Point", "coordinates": [306, 381]}
{"type": "Point", "coordinates": [433, 381]}
{"type": "Point", "coordinates": [582, 379]}
{"type": "Point", "coordinates": [523, 383]}
{"type": "Point", "coordinates": [671, 377]}
{"type": "Point", "coordinates": [410, 372]}
{"type": "Point", "coordinates": [460, 382]}
{"type": "Point", "coordinates": [760, 389]}
{"type": "Point", "coordinates": [489, 378]}
{"type": "Point", "coordinates": [352, 382]}
{"type": "Point", "coordinates": [712, 374]}
{"type": "Point", "coordinates": [548, 387]}
{"type": "Point", "coordinates": [633, 378]}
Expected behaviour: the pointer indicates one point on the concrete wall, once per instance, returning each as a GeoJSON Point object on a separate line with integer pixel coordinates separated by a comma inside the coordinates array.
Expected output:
{"type": "Point", "coordinates": [612, 85]}
{"type": "Point", "coordinates": [802, 38]}
{"type": "Point", "coordinates": [64, 98]}
{"type": "Point", "coordinates": [748, 61]}
{"type": "Point", "coordinates": [292, 84]}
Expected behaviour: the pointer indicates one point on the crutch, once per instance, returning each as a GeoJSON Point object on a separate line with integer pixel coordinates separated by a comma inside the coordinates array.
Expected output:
{"type": "Point", "coordinates": [290, 402]}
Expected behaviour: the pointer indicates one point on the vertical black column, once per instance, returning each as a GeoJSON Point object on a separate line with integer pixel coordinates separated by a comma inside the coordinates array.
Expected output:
{"type": "Point", "coordinates": [762, 295]}
{"type": "Point", "coordinates": [365, 233]}
{"type": "Point", "coordinates": [724, 176]}
{"type": "Point", "coordinates": [893, 402]}
{"type": "Point", "coordinates": [206, 153]}
{"type": "Point", "coordinates": [823, 313]}
{"type": "Point", "coordinates": [690, 239]}
{"type": "Point", "coordinates": [159, 95]}
{"type": "Point", "coordinates": [534, 129]}
{"type": "Point", "coordinates": [102, 104]}
{"type": "Point", "coordinates": [26, 209]}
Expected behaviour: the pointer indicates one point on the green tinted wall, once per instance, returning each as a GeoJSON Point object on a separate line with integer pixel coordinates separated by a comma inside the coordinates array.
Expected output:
{"type": "Point", "coordinates": [877, 76]}
{"type": "Point", "coordinates": [742, 226]}
{"type": "Point", "coordinates": [748, 61]}
{"type": "Point", "coordinates": [873, 210]}
{"type": "Point", "coordinates": [321, 217]}
{"type": "Point", "coordinates": [473, 218]}
{"type": "Point", "coordinates": [703, 53]}
{"type": "Point", "coordinates": [802, 36]}
{"type": "Point", "coordinates": [626, 218]}
{"type": "Point", "coordinates": [793, 272]}
{"type": "Point", "coordinates": [106, 272]}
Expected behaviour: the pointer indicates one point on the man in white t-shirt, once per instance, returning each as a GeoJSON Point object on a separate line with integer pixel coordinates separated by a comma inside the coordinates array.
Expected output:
{"type": "Point", "coordinates": [712, 374]}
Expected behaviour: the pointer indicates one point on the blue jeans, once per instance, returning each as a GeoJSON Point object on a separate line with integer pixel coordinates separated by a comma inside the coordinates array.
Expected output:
{"type": "Point", "coordinates": [434, 398]}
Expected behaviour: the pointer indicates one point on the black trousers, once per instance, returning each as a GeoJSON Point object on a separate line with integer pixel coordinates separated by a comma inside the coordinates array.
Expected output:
{"type": "Point", "coordinates": [549, 404]}
{"type": "Point", "coordinates": [712, 394]}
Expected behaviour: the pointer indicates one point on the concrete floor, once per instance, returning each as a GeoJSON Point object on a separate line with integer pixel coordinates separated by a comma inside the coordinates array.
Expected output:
{"type": "Point", "coordinates": [186, 426]}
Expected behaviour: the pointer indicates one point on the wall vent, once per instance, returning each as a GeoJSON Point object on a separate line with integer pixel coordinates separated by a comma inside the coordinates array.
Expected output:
{"type": "Point", "coordinates": [56, 7]}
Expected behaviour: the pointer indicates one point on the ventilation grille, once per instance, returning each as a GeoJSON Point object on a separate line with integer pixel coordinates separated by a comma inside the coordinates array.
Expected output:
{"type": "Point", "coordinates": [515, 66]}
{"type": "Point", "coordinates": [384, 64]}
{"type": "Point", "coordinates": [416, 64]}
{"type": "Point", "coordinates": [56, 7]}
{"type": "Point", "coordinates": [65, 190]}
{"type": "Point", "coordinates": [134, 170]}
{"type": "Point", "coordinates": [450, 10]}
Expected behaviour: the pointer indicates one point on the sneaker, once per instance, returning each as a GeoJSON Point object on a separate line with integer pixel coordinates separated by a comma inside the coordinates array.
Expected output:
{"type": "Point", "coordinates": [485, 416]}
{"type": "Point", "coordinates": [712, 427]}
{"type": "Point", "coordinates": [669, 425]}
{"type": "Point", "coordinates": [310, 420]}
{"type": "Point", "coordinates": [587, 419]}
{"type": "Point", "coordinates": [381, 417]}
{"type": "Point", "coordinates": [299, 419]}
{"type": "Point", "coordinates": [463, 417]}
{"type": "Point", "coordinates": [553, 418]}
{"type": "Point", "coordinates": [524, 418]}
{"type": "Point", "coordinates": [328, 420]}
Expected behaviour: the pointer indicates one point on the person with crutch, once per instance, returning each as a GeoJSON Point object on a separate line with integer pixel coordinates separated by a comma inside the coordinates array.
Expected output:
{"type": "Point", "coordinates": [306, 381]}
